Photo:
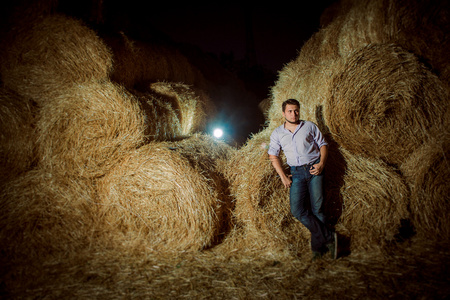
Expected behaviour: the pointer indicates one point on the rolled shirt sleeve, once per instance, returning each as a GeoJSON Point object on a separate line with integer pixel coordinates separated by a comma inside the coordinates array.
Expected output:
{"type": "Point", "coordinates": [275, 145]}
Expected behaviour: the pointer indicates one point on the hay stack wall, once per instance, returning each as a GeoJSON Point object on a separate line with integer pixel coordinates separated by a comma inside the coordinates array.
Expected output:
{"type": "Point", "coordinates": [89, 128]}
{"type": "Point", "coordinates": [404, 100]}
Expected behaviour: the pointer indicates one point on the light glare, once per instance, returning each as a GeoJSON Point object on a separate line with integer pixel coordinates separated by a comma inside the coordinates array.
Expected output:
{"type": "Point", "coordinates": [218, 132]}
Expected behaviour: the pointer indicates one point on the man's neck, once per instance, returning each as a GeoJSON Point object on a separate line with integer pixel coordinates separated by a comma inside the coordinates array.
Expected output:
{"type": "Point", "coordinates": [291, 126]}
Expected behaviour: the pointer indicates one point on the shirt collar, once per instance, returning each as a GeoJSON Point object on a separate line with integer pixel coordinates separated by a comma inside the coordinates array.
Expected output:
{"type": "Point", "coordinates": [296, 128]}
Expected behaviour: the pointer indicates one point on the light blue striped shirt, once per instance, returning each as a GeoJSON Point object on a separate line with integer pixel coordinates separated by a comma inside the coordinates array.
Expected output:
{"type": "Point", "coordinates": [300, 147]}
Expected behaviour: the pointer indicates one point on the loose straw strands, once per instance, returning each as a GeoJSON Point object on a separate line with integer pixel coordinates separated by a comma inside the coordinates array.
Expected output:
{"type": "Point", "coordinates": [17, 134]}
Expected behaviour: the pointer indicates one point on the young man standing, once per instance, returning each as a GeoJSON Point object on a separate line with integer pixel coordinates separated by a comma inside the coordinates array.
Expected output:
{"type": "Point", "coordinates": [306, 152]}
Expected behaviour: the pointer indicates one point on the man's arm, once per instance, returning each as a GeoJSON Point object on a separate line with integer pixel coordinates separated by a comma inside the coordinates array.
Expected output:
{"type": "Point", "coordinates": [318, 168]}
{"type": "Point", "coordinates": [276, 163]}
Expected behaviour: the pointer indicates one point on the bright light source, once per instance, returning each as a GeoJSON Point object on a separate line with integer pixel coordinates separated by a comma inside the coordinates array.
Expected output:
{"type": "Point", "coordinates": [218, 132]}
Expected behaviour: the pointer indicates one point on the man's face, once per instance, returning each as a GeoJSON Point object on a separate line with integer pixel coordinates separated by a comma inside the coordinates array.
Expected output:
{"type": "Point", "coordinates": [291, 113]}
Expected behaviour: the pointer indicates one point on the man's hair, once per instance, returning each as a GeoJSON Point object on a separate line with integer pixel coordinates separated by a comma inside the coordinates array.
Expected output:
{"type": "Point", "coordinates": [291, 102]}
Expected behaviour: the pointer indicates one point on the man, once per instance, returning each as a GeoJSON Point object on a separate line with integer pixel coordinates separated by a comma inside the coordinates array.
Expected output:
{"type": "Point", "coordinates": [306, 152]}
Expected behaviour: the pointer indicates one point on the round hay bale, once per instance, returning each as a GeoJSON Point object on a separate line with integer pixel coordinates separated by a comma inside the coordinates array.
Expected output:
{"type": "Point", "coordinates": [168, 196]}
{"type": "Point", "coordinates": [264, 106]}
{"type": "Point", "coordinates": [384, 102]}
{"type": "Point", "coordinates": [419, 27]}
{"type": "Point", "coordinates": [375, 201]}
{"type": "Point", "coordinates": [47, 56]}
{"type": "Point", "coordinates": [191, 104]}
{"type": "Point", "coordinates": [87, 130]}
{"type": "Point", "coordinates": [162, 122]}
{"type": "Point", "coordinates": [365, 22]}
{"type": "Point", "coordinates": [17, 134]}
{"type": "Point", "coordinates": [44, 217]}
{"type": "Point", "coordinates": [262, 213]}
{"type": "Point", "coordinates": [427, 172]}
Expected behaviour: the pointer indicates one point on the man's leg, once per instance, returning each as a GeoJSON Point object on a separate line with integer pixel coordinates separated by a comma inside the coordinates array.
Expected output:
{"type": "Point", "coordinates": [316, 198]}
{"type": "Point", "coordinates": [315, 187]}
{"type": "Point", "coordinates": [299, 209]}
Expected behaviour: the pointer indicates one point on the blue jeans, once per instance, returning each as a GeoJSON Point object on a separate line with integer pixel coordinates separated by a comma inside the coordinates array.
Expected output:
{"type": "Point", "coordinates": [308, 210]}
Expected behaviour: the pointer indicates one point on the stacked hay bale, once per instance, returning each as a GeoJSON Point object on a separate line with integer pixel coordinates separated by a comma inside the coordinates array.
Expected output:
{"type": "Point", "coordinates": [389, 103]}
{"type": "Point", "coordinates": [192, 105]}
{"type": "Point", "coordinates": [87, 129]}
{"type": "Point", "coordinates": [384, 102]}
{"type": "Point", "coordinates": [169, 194]}
{"type": "Point", "coordinates": [90, 137]}
{"type": "Point", "coordinates": [427, 171]}
{"type": "Point", "coordinates": [393, 89]}
{"type": "Point", "coordinates": [173, 110]}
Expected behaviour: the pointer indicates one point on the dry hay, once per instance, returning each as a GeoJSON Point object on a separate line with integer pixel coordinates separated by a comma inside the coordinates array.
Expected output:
{"type": "Point", "coordinates": [418, 269]}
{"type": "Point", "coordinates": [88, 129]}
{"type": "Point", "coordinates": [173, 110]}
{"type": "Point", "coordinates": [167, 196]}
{"type": "Point", "coordinates": [375, 201]}
{"type": "Point", "coordinates": [263, 219]}
{"type": "Point", "coordinates": [426, 171]}
{"type": "Point", "coordinates": [162, 122]}
{"type": "Point", "coordinates": [420, 27]}
{"type": "Point", "coordinates": [307, 78]}
{"type": "Point", "coordinates": [264, 106]}
{"type": "Point", "coordinates": [45, 217]}
{"type": "Point", "coordinates": [17, 134]}
{"type": "Point", "coordinates": [191, 104]}
{"type": "Point", "coordinates": [384, 102]}
{"type": "Point", "coordinates": [49, 55]}
{"type": "Point", "coordinates": [365, 198]}
{"type": "Point", "coordinates": [138, 63]}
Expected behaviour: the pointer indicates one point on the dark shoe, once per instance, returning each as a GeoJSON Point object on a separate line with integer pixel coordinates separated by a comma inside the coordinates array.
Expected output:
{"type": "Point", "coordinates": [316, 255]}
{"type": "Point", "coordinates": [333, 246]}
